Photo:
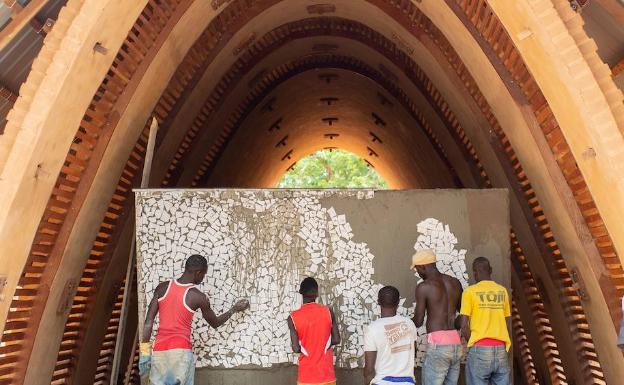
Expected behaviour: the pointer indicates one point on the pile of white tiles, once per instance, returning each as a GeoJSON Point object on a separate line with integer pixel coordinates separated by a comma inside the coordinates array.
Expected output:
{"type": "Point", "coordinates": [259, 245]}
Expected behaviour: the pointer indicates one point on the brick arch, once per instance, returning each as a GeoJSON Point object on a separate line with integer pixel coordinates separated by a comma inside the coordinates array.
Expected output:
{"type": "Point", "coordinates": [220, 88]}
{"type": "Point", "coordinates": [546, 239]}
{"type": "Point", "coordinates": [506, 155]}
{"type": "Point", "coordinates": [409, 13]}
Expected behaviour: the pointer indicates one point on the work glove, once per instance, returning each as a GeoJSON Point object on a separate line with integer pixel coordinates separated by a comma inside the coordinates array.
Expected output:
{"type": "Point", "coordinates": [145, 357]}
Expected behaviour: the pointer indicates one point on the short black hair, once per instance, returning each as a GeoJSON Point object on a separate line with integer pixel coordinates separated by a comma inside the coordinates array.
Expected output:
{"type": "Point", "coordinates": [482, 263]}
{"type": "Point", "coordinates": [389, 296]}
{"type": "Point", "coordinates": [308, 286]}
{"type": "Point", "coordinates": [195, 262]}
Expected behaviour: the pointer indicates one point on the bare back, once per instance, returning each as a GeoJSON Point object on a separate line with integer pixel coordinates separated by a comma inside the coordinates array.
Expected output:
{"type": "Point", "coordinates": [439, 296]}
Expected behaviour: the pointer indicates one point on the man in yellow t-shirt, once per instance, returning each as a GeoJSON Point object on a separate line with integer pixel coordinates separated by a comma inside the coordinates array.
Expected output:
{"type": "Point", "coordinates": [484, 310]}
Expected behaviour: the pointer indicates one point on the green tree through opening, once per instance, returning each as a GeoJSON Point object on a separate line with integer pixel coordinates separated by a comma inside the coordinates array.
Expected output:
{"type": "Point", "coordinates": [332, 169]}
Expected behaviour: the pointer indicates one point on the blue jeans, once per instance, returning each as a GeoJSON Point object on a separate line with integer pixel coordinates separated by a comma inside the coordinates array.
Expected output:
{"type": "Point", "coordinates": [172, 367]}
{"type": "Point", "coordinates": [441, 366]}
{"type": "Point", "coordinates": [488, 365]}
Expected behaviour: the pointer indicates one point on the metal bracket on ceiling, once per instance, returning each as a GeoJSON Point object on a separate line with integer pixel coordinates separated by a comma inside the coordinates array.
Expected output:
{"type": "Point", "coordinates": [328, 77]}
{"type": "Point", "coordinates": [276, 126]}
{"type": "Point", "coordinates": [288, 155]}
{"type": "Point", "coordinates": [282, 142]}
{"type": "Point", "coordinates": [578, 5]}
{"type": "Point", "coordinates": [378, 120]}
{"type": "Point", "coordinates": [268, 106]}
{"type": "Point", "coordinates": [375, 138]}
{"type": "Point", "coordinates": [44, 28]}
{"type": "Point", "coordinates": [330, 121]}
{"type": "Point", "coordinates": [3, 282]}
{"type": "Point", "coordinates": [67, 296]}
{"type": "Point", "coordinates": [579, 284]}
{"type": "Point", "coordinates": [99, 48]}
{"type": "Point", "coordinates": [329, 100]}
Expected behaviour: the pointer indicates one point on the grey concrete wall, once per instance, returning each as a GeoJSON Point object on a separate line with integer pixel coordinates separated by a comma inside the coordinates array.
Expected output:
{"type": "Point", "coordinates": [478, 218]}
{"type": "Point", "coordinates": [387, 224]}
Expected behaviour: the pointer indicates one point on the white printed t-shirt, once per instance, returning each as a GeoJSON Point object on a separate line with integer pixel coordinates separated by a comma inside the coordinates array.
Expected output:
{"type": "Point", "coordinates": [393, 340]}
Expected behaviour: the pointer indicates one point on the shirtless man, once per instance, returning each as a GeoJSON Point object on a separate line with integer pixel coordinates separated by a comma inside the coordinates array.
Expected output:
{"type": "Point", "coordinates": [439, 297]}
{"type": "Point", "coordinates": [175, 302]}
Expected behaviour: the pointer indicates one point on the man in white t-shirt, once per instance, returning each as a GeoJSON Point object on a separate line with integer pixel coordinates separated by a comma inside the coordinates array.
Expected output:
{"type": "Point", "coordinates": [389, 344]}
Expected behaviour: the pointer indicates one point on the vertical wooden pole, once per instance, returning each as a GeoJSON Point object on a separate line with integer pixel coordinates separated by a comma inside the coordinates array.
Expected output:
{"type": "Point", "coordinates": [128, 375]}
{"type": "Point", "coordinates": [147, 166]}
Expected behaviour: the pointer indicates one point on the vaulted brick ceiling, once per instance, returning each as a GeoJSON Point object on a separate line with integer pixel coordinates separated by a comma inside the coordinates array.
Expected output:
{"type": "Point", "coordinates": [454, 93]}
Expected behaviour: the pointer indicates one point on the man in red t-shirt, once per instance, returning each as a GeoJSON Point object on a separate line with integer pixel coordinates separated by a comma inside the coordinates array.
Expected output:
{"type": "Point", "coordinates": [313, 331]}
{"type": "Point", "coordinates": [175, 302]}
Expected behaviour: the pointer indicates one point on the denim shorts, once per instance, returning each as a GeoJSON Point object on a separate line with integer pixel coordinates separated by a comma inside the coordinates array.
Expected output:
{"type": "Point", "coordinates": [172, 367]}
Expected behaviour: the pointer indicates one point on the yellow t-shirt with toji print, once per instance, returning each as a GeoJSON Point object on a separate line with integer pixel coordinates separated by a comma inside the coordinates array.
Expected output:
{"type": "Point", "coordinates": [487, 305]}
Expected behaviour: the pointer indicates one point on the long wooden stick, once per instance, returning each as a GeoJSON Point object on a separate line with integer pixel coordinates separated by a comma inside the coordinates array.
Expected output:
{"type": "Point", "coordinates": [128, 376]}
{"type": "Point", "coordinates": [121, 329]}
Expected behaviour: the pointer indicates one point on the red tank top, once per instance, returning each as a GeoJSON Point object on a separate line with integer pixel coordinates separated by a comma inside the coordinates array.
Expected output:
{"type": "Point", "coordinates": [174, 329]}
{"type": "Point", "coordinates": [316, 361]}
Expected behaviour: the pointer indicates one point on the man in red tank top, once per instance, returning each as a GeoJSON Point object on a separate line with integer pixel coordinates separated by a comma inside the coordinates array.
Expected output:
{"type": "Point", "coordinates": [175, 302]}
{"type": "Point", "coordinates": [313, 331]}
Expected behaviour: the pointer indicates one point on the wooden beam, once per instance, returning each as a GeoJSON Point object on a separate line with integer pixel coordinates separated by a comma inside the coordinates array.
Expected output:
{"type": "Point", "coordinates": [501, 174]}
{"type": "Point", "coordinates": [135, 105]}
{"type": "Point", "coordinates": [19, 19]}
{"type": "Point", "coordinates": [586, 132]}
{"type": "Point", "coordinates": [77, 79]}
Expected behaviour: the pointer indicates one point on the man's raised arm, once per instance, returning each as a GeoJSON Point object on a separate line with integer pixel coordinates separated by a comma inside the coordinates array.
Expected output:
{"type": "Point", "coordinates": [197, 299]}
